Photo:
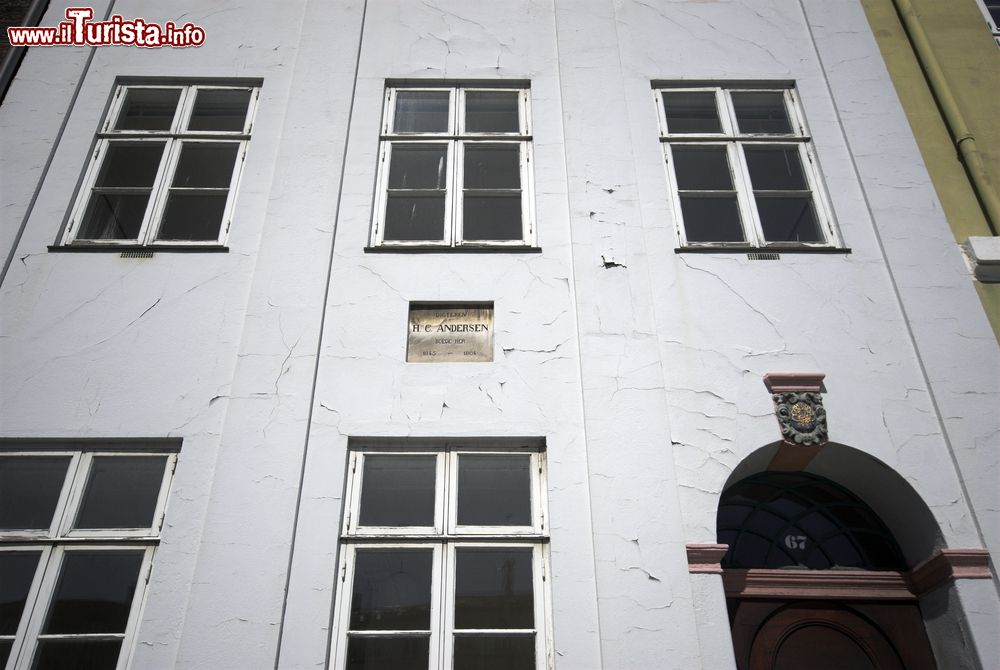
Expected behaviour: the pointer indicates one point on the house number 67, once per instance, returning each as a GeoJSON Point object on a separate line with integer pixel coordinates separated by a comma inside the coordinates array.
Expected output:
{"type": "Point", "coordinates": [795, 541]}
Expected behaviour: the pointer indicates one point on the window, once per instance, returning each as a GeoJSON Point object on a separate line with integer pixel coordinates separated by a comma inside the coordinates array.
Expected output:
{"type": "Point", "coordinates": [166, 167]}
{"type": "Point", "coordinates": [991, 11]}
{"type": "Point", "coordinates": [454, 169]}
{"type": "Point", "coordinates": [77, 534]}
{"type": "Point", "coordinates": [443, 561]}
{"type": "Point", "coordinates": [741, 169]}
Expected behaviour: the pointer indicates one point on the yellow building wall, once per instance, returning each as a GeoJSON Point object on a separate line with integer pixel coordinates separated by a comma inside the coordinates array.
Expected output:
{"type": "Point", "coordinates": [970, 58]}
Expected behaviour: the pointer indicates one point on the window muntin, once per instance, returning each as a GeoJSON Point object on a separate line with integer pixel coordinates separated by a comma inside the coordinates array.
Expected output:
{"type": "Point", "coordinates": [74, 571]}
{"type": "Point", "coordinates": [454, 168]}
{"type": "Point", "coordinates": [741, 169]}
{"type": "Point", "coordinates": [467, 589]}
{"type": "Point", "coordinates": [166, 167]}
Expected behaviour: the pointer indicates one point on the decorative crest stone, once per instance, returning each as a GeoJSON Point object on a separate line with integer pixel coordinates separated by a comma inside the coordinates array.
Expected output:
{"type": "Point", "coordinates": [801, 417]}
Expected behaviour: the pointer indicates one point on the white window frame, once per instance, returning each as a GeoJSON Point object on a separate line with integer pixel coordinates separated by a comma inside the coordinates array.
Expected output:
{"type": "Point", "coordinates": [734, 141]}
{"type": "Point", "coordinates": [55, 543]}
{"type": "Point", "coordinates": [444, 540]}
{"type": "Point", "coordinates": [175, 137]}
{"type": "Point", "coordinates": [456, 138]}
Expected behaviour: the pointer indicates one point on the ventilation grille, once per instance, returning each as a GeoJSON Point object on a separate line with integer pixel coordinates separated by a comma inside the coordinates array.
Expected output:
{"type": "Point", "coordinates": [763, 256]}
{"type": "Point", "coordinates": [137, 253]}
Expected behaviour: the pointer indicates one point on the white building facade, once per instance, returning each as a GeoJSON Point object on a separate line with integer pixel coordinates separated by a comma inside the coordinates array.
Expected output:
{"type": "Point", "coordinates": [667, 214]}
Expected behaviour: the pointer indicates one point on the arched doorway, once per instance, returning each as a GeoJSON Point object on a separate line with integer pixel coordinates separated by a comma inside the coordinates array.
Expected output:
{"type": "Point", "coordinates": [814, 579]}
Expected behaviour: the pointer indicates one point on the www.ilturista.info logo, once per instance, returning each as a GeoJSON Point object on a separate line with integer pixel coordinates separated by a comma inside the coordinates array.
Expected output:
{"type": "Point", "coordinates": [79, 30]}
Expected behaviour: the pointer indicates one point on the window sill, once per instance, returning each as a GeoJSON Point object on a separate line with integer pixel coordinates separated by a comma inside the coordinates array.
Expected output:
{"type": "Point", "coordinates": [747, 249]}
{"type": "Point", "coordinates": [430, 249]}
{"type": "Point", "coordinates": [148, 248]}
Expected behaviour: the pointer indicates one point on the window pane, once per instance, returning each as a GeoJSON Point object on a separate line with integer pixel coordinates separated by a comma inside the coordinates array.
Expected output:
{"type": "Point", "coordinates": [94, 593]}
{"type": "Point", "coordinates": [494, 588]}
{"type": "Point", "coordinates": [148, 109]}
{"type": "Point", "coordinates": [77, 655]}
{"type": "Point", "coordinates": [219, 110]}
{"type": "Point", "coordinates": [387, 653]}
{"type": "Point", "coordinates": [775, 169]}
{"type": "Point", "coordinates": [193, 216]}
{"type": "Point", "coordinates": [111, 216]}
{"type": "Point", "coordinates": [121, 492]}
{"type": "Point", "coordinates": [492, 218]}
{"type": "Point", "coordinates": [690, 112]}
{"type": "Point", "coordinates": [5, 647]}
{"type": "Point", "coordinates": [421, 112]}
{"type": "Point", "coordinates": [392, 589]}
{"type": "Point", "coordinates": [494, 652]}
{"type": "Point", "coordinates": [17, 569]}
{"type": "Point", "coordinates": [408, 218]}
{"type": "Point", "coordinates": [398, 491]}
{"type": "Point", "coordinates": [788, 219]}
{"type": "Point", "coordinates": [492, 112]}
{"type": "Point", "coordinates": [711, 219]}
{"type": "Point", "coordinates": [761, 113]}
{"type": "Point", "coordinates": [130, 165]}
{"type": "Point", "coordinates": [29, 490]}
{"type": "Point", "coordinates": [418, 166]}
{"type": "Point", "coordinates": [206, 165]}
{"type": "Point", "coordinates": [494, 490]}
{"type": "Point", "coordinates": [702, 168]}
{"type": "Point", "coordinates": [492, 166]}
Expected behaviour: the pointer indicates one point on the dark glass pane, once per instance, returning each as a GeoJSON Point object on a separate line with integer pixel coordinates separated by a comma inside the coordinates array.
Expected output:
{"type": "Point", "coordinates": [494, 652]}
{"type": "Point", "coordinates": [29, 490]}
{"type": "Point", "coordinates": [418, 166]}
{"type": "Point", "coordinates": [148, 109]}
{"type": "Point", "coordinates": [701, 168]}
{"type": "Point", "coordinates": [17, 569]}
{"type": "Point", "coordinates": [842, 552]}
{"type": "Point", "coordinates": [493, 588]}
{"type": "Point", "coordinates": [121, 492]}
{"type": "Point", "coordinates": [691, 112]}
{"type": "Point", "coordinates": [491, 112]}
{"type": "Point", "coordinates": [219, 110]}
{"type": "Point", "coordinates": [408, 218]}
{"type": "Point", "coordinates": [994, 9]}
{"type": "Point", "coordinates": [761, 113]}
{"type": "Point", "coordinates": [421, 112]}
{"type": "Point", "coordinates": [387, 653]}
{"type": "Point", "coordinates": [788, 219]}
{"type": "Point", "coordinates": [77, 655]}
{"type": "Point", "coordinates": [492, 166]}
{"type": "Point", "coordinates": [750, 550]}
{"type": "Point", "coordinates": [492, 218]}
{"type": "Point", "coordinates": [94, 593]}
{"type": "Point", "coordinates": [776, 169]}
{"type": "Point", "coordinates": [130, 165]}
{"type": "Point", "coordinates": [392, 589]}
{"type": "Point", "coordinates": [193, 216]}
{"type": "Point", "coordinates": [826, 526]}
{"type": "Point", "coordinates": [494, 490]}
{"type": "Point", "coordinates": [398, 491]}
{"type": "Point", "coordinates": [206, 165]}
{"type": "Point", "coordinates": [113, 216]}
{"type": "Point", "coordinates": [5, 648]}
{"type": "Point", "coordinates": [711, 219]}
{"type": "Point", "coordinates": [819, 647]}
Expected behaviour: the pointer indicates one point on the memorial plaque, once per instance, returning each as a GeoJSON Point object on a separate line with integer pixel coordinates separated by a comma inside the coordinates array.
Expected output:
{"type": "Point", "coordinates": [450, 333]}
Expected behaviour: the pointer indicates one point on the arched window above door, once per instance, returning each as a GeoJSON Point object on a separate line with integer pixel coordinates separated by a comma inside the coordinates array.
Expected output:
{"type": "Point", "coordinates": [800, 520]}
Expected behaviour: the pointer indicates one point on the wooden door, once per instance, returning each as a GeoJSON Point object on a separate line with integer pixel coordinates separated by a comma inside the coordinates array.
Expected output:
{"type": "Point", "coordinates": [826, 635]}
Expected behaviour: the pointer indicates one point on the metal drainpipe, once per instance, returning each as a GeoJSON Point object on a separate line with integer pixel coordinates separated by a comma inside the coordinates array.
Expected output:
{"type": "Point", "coordinates": [964, 141]}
